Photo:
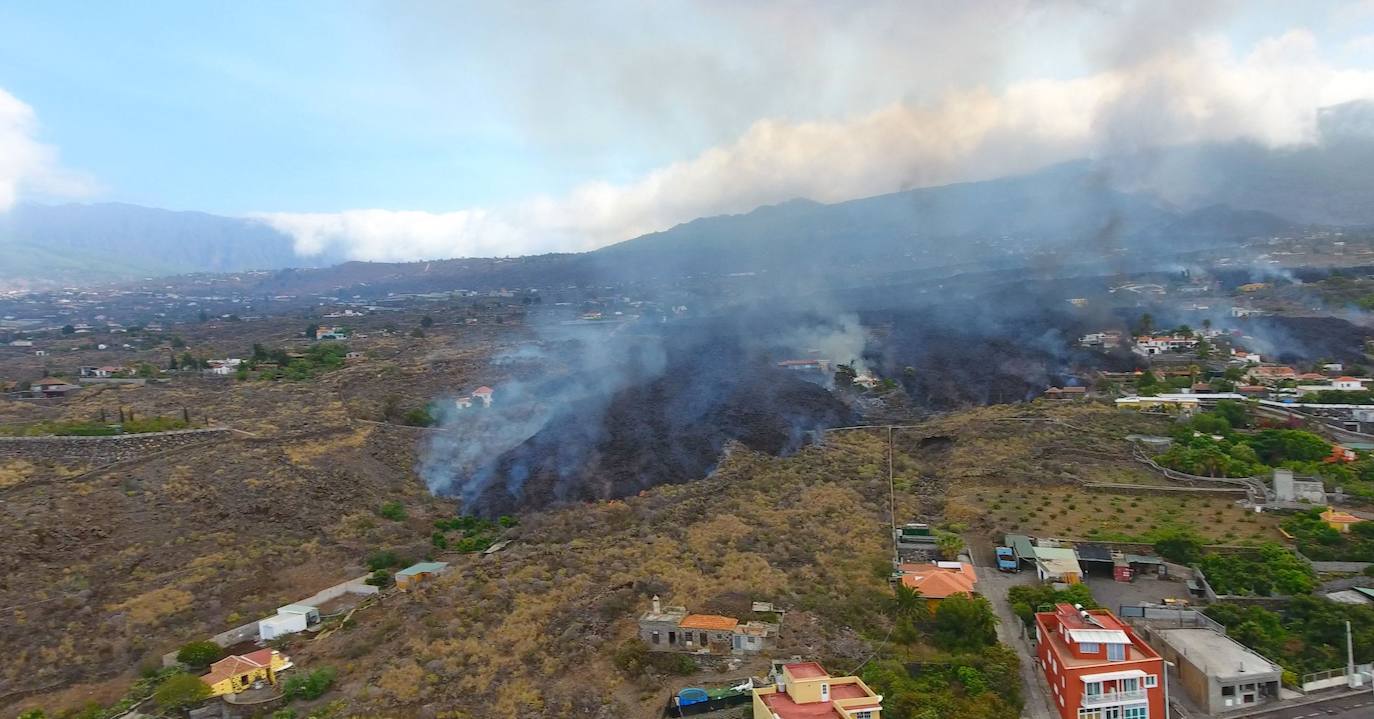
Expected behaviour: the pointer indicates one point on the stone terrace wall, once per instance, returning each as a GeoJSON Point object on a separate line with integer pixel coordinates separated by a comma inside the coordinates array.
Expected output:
{"type": "Point", "coordinates": [97, 451]}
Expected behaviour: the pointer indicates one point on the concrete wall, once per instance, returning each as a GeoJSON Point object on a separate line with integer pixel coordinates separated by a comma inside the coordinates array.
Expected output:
{"type": "Point", "coordinates": [102, 450]}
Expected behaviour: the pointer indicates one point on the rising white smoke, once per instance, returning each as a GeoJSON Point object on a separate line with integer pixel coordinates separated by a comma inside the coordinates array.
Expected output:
{"type": "Point", "coordinates": [1183, 90]}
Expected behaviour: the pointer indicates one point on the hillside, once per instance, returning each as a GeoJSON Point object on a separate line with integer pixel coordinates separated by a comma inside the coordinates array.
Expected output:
{"type": "Point", "coordinates": [1170, 200]}
{"type": "Point", "coordinates": [535, 630]}
{"type": "Point", "coordinates": [106, 242]}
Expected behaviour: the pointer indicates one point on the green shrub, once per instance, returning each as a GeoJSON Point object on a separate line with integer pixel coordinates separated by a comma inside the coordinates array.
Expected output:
{"type": "Point", "coordinates": [394, 511]}
{"type": "Point", "coordinates": [383, 560]}
{"type": "Point", "coordinates": [309, 686]}
{"type": "Point", "coordinates": [200, 654]}
{"type": "Point", "coordinates": [180, 691]}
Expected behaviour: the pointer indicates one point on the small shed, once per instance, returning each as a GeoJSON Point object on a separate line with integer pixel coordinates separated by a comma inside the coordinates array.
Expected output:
{"type": "Point", "coordinates": [1058, 564]}
{"type": "Point", "coordinates": [289, 619]}
{"type": "Point", "coordinates": [1021, 545]}
{"type": "Point", "coordinates": [417, 573]}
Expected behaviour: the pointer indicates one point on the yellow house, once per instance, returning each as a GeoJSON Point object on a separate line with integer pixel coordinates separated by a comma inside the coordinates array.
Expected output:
{"type": "Point", "coordinates": [1338, 520]}
{"type": "Point", "coordinates": [805, 690]}
{"type": "Point", "coordinates": [234, 674]}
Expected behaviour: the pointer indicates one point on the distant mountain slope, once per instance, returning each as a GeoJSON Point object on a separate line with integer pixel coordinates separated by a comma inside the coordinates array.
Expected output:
{"type": "Point", "coordinates": [116, 241]}
{"type": "Point", "coordinates": [1168, 199]}
{"type": "Point", "coordinates": [1067, 208]}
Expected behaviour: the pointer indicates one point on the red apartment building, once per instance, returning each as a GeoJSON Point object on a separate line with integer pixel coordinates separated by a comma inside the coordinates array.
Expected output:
{"type": "Point", "coordinates": [1097, 667]}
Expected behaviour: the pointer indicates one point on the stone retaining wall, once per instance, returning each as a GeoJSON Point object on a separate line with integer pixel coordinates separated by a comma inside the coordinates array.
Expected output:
{"type": "Point", "coordinates": [96, 451]}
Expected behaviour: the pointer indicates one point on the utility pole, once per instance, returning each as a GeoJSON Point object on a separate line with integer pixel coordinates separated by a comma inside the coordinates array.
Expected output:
{"type": "Point", "coordinates": [1349, 656]}
{"type": "Point", "coordinates": [892, 498]}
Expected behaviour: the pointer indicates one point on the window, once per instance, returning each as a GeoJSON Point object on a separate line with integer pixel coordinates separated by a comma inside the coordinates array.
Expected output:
{"type": "Point", "coordinates": [1151, 681]}
{"type": "Point", "coordinates": [1089, 714]}
{"type": "Point", "coordinates": [655, 637]}
{"type": "Point", "coordinates": [672, 637]}
{"type": "Point", "coordinates": [1116, 652]}
{"type": "Point", "coordinates": [865, 714]}
{"type": "Point", "coordinates": [1128, 684]}
{"type": "Point", "coordinates": [1089, 647]}
{"type": "Point", "coordinates": [1140, 712]}
{"type": "Point", "coordinates": [825, 692]}
{"type": "Point", "coordinates": [1092, 689]}
{"type": "Point", "coordinates": [702, 637]}
{"type": "Point", "coordinates": [1228, 691]}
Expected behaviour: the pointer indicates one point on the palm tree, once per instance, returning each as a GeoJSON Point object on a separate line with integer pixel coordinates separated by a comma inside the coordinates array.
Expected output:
{"type": "Point", "coordinates": [909, 601]}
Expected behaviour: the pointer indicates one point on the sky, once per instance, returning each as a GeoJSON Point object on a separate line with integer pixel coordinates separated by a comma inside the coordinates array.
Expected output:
{"type": "Point", "coordinates": [417, 130]}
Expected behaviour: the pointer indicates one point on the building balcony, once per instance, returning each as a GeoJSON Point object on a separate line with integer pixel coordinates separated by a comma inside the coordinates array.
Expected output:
{"type": "Point", "coordinates": [1094, 700]}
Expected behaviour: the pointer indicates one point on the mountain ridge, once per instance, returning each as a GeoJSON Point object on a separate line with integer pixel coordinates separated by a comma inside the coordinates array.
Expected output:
{"type": "Point", "coordinates": [1190, 195]}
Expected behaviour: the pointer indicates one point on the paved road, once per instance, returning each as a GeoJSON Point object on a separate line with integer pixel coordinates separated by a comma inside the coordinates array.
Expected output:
{"type": "Point", "coordinates": [994, 585]}
{"type": "Point", "coordinates": [1360, 706]}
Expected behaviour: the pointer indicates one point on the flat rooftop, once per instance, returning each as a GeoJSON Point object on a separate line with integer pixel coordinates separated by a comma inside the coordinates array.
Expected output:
{"type": "Point", "coordinates": [806, 670]}
{"type": "Point", "coordinates": [1216, 654]}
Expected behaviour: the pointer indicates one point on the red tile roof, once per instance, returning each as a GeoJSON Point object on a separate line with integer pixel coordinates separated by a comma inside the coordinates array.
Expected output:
{"type": "Point", "coordinates": [708, 621]}
{"type": "Point", "coordinates": [239, 664]}
{"type": "Point", "coordinates": [936, 582]}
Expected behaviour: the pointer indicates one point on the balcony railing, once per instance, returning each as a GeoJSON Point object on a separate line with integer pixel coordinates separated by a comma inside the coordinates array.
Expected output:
{"type": "Point", "coordinates": [1091, 700]}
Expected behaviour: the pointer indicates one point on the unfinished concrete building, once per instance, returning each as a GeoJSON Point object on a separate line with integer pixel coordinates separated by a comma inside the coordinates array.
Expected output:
{"type": "Point", "coordinates": [1218, 673]}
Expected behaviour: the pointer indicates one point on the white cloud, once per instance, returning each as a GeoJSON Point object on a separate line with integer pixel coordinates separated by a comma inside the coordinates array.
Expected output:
{"type": "Point", "coordinates": [27, 165]}
{"type": "Point", "coordinates": [1176, 92]}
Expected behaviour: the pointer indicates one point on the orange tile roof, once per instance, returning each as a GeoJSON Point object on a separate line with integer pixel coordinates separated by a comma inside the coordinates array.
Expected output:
{"type": "Point", "coordinates": [239, 664]}
{"type": "Point", "coordinates": [708, 621]}
{"type": "Point", "coordinates": [1339, 517]}
{"type": "Point", "coordinates": [938, 585]}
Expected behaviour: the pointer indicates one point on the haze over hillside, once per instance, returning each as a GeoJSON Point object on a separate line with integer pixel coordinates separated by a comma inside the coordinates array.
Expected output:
{"type": "Point", "coordinates": [1231, 191]}
{"type": "Point", "coordinates": [82, 243]}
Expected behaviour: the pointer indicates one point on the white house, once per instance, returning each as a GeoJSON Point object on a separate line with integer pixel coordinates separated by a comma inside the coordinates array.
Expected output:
{"type": "Point", "coordinates": [223, 367]}
{"type": "Point", "coordinates": [1147, 346]}
{"type": "Point", "coordinates": [1244, 357]}
{"type": "Point", "coordinates": [21, 343]}
{"type": "Point", "coordinates": [289, 619]}
{"type": "Point", "coordinates": [484, 394]}
{"type": "Point", "coordinates": [1347, 384]}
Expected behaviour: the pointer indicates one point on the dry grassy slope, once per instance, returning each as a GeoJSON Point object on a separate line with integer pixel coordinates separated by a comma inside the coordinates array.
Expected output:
{"type": "Point", "coordinates": [110, 571]}
{"type": "Point", "coordinates": [531, 631]}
